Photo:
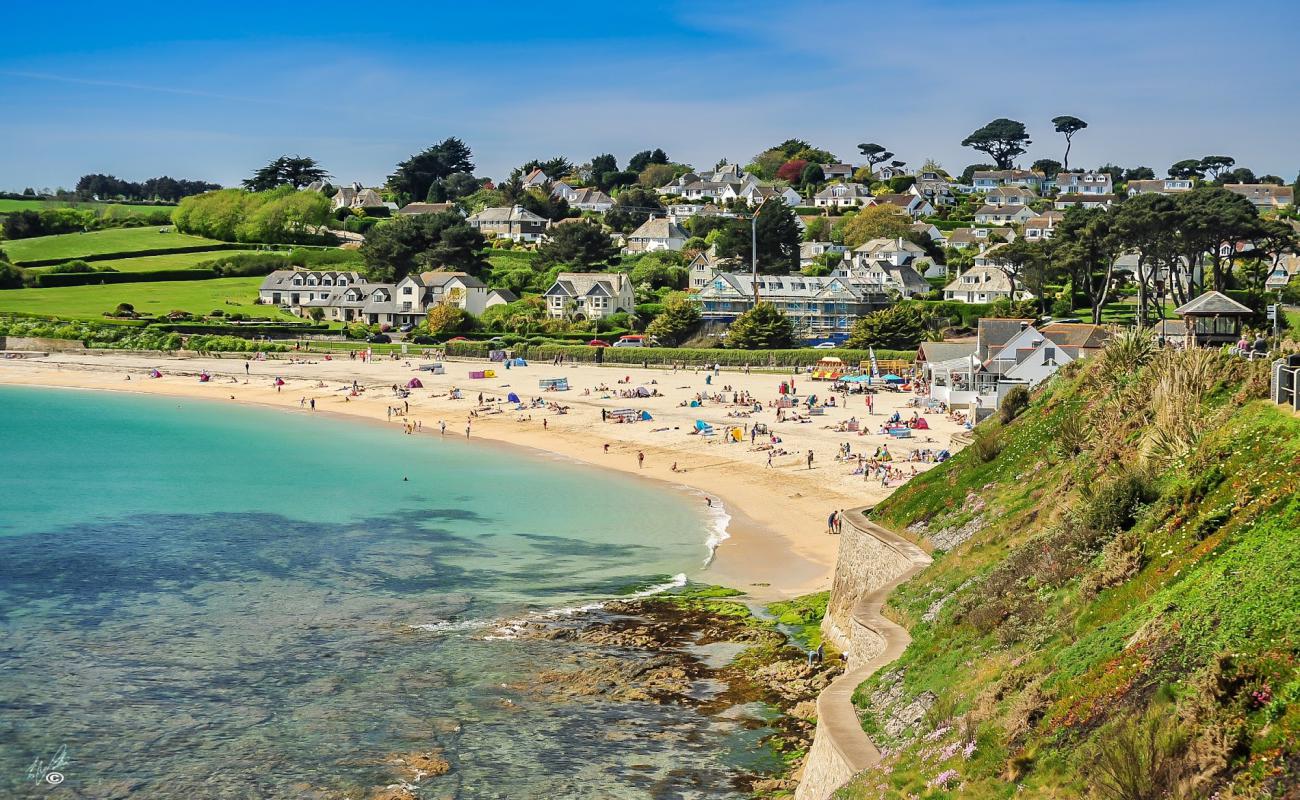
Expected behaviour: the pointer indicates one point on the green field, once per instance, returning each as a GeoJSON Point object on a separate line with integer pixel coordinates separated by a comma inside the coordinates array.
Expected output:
{"type": "Point", "coordinates": [113, 240]}
{"type": "Point", "coordinates": [165, 261]}
{"type": "Point", "coordinates": [7, 206]}
{"type": "Point", "coordinates": [90, 302]}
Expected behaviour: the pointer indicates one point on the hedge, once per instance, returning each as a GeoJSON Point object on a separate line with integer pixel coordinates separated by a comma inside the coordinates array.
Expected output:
{"type": "Point", "coordinates": [157, 251]}
{"type": "Point", "coordinates": [208, 328]}
{"type": "Point", "coordinates": [666, 355]}
{"type": "Point", "coordinates": [52, 279]}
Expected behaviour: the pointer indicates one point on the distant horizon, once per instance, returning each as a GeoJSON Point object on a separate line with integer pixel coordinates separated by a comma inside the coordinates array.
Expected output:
{"type": "Point", "coordinates": [213, 96]}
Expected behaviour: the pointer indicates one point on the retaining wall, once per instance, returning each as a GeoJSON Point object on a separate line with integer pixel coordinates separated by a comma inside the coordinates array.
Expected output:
{"type": "Point", "coordinates": [871, 562]}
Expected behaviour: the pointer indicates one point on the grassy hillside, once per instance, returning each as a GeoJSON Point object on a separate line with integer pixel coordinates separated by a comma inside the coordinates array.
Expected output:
{"type": "Point", "coordinates": [1117, 612]}
{"type": "Point", "coordinates": [159, 262]}
{"type": "Point", "coordinates": [10, 205]}
{"type": "Point", "coordinates": [112, 240]}
{"type": "Point", "coordinates": [232, 295]}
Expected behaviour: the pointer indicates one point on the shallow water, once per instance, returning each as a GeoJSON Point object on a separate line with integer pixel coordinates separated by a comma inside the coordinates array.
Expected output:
{"type": "Point", "coordinates": [200, 600]}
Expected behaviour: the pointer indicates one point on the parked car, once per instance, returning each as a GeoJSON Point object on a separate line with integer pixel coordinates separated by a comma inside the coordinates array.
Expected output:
{"type": "Point", "coordinates": [407, 328]}
{"type": "Point", "coordinates": [631, 340]}
{"type": "Point", "coordinates": [379, 338]}
{"type": "Point", "coordinates": [598, 343]}
{"type": "Point", "coordinates": [824, 346]}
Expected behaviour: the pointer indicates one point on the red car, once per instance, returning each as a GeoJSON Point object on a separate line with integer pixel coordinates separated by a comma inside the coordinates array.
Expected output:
{"type": "Point", "coordinates": [598, 343]}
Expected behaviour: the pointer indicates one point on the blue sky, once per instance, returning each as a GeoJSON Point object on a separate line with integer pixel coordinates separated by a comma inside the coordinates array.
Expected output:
{"type": "Point", "coordinates": [211, 91]}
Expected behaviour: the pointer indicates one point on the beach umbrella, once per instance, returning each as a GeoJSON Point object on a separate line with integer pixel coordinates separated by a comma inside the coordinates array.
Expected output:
{"type": "Point", "coordinates": [892, 378]}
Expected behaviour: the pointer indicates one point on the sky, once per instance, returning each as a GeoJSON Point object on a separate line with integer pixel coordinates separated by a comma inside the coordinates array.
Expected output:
{"type": "Point", "coordinates": [213, 90]}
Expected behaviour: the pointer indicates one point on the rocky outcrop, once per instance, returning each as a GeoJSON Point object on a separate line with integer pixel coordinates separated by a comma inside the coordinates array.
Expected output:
{"type": "Point", "coordinates": [871, 562]}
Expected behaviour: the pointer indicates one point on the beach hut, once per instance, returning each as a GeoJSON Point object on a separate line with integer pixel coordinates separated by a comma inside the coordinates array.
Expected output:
{"type": "Point", "coordinates": [414, 383]}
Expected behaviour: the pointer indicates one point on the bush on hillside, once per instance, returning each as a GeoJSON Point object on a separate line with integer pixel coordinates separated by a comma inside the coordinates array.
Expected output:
{"type": "Point", "coordinates": [1013, 405]}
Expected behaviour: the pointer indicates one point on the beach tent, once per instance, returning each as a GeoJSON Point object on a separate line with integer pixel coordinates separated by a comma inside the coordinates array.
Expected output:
{"type": "Point", "coordinates": [512, 397]}
{"type": "Point", "coordinates": [703, 427]}
{"type": "Point", "coordinates": [204, 377]}
{"type": "Point", "coordinates": [892, 378]}
{"type": "Point", "coordinates": [737, 434]}
{"type": "Point", "coordinates": [921, 424]}
{"type": "Point", "coordinates": [519, 362]}
{"type": "Point", "coordinates": [153, 373]}
{"type": "Point", "coordinates": [645, 416]}
{"type": "Point", "coordinates": [641, 391]}
{"type": "Point", "coordinates": [414, 383]}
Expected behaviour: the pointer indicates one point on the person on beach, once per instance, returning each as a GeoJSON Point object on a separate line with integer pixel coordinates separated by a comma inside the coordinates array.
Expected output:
{"type": "Point", "coordinates": [606, 448]}
{"type": "Point", "coordinates": [245, 367]}
{"type": "Point", "coordinates": [821, 653]}
{"type": "Point", "coordinates": [313, 404]}
{"type": "Point", "coordinates": [830, 522]}
{"type": "Point", "coordinates": [839, 521]}
{"type": "Point", "coordinates": [467, 424]}
{"type": "Point", "coordinates": [545, 423]}
{"type": "Point", "coordinates": [442, 427]}
{"type": "Point", "coordinates": [640, 459]}
{"type": "Point", "coordinates": [810, 459]}
{"type": "Point", "coordinates": [769, 459]}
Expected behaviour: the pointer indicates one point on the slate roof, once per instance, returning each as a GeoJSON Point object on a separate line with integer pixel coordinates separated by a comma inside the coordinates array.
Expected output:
{"type": "Point", "coordinates": [1212, 303]}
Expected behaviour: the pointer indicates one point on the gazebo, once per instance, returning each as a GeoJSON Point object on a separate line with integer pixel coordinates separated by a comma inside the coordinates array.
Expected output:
{"type": "Point", "coordinates": [1213, 319]}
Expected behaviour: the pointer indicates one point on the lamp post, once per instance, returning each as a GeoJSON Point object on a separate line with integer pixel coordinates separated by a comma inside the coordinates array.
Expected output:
{"type": "Point", "coordinates": [753, 247]}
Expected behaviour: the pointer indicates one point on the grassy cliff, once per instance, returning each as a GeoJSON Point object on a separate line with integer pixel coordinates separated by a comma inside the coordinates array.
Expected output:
{"type": "Point", "coordinates": [1114, 607]}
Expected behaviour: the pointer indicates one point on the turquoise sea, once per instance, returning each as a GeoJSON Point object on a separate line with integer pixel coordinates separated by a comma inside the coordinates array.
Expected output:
{"type": "Point", "coordinates": [208, 601]}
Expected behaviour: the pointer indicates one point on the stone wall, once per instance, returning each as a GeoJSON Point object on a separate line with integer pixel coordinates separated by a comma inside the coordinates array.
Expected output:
{"type": "Point", "coordinates": [40, 345]}
{"type": "Point", "coordinates": [871, 562]}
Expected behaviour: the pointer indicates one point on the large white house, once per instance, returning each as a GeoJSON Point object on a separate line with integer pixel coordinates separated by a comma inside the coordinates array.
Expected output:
{"type": "Point", "coordinates": [982, 284]}
{"type": "Point", "coordinates": [656, 233]}
{"type": "Point", "coordinates": [843, 195]}
{"type": "Point", "coordinates": [589, 295]}
{"type": "Point", "coordinates": [349, 297]}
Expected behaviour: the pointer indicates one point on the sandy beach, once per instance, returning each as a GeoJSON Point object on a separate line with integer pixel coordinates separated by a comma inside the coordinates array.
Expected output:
{"type": "Point", "coordinates": [778, 545]}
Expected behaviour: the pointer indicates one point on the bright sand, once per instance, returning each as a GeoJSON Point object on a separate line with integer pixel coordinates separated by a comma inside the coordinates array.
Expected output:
{"type": "Point", "coordinates": [778, 543]}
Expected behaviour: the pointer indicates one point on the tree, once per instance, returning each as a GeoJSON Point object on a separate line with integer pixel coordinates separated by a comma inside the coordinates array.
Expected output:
{"type": "Point", "coordinates": [812, 175]}
{"type": "Point", "coordinates": [1214, 220]}
{"type": "Point", "coordinates": [1048, 166]}
{"type": "Point", "coordinates": [554, 168]}
{"type": "Point", "coordinates": [295, 171]}
{"type": "Point", "coordinates": [456, 186]}
{"type": "Point", "coordinates": [413, 177]}
{"type": "Point", "coordinates": [1139, 174]}
{"type": "Point", "coordinates": [676, 322]}
{"type": "Point", "coordinates": [1148, 225]}
{"type": "Point", "coordinates": [656, 175]}
{"type": "Point", "coordinates": [447, 318]}
{"type": "Point", "coordinates": [11, 277]}
{"type": "Point", "coordinates": [602, 165]}
{"type": "Point", "coordinates": [874, 153]}
{"type": "Point", "coordinates": [584, 246]}
{"type": "Point", "coordinates": [633, 206]}
{"type": "Point", "coordinates": [818, 230]}
{"type": "Point", "coordinates": [1187, 168]}
{"type": "Point", "coordinates": [778, 239]}
{"type": "Point", "coordinates": [1213, 166]}
{"type": "Point", "coordinates": [645, 158]}
{"type": "Point", "coordinates": [1003, 139]}
{"type": "Point", "coordinates": [1087, 249]}
{"type": "Point", "coordinates": [875, 222]}
{"type": "Point", "coordinates": [899, 327]}
{"type": "Point", "coordinates": [424, 241]}
{"type": "Point", "coordinates": [763, 327]}
{"type": "Point", "coordinates": [1068, 126]}
{"type": "Point", "coordinates": [791, 171]}
{"type": "Point", "coordinates": [1022, 261]}
{"type": "Point", "coordinates": [1238, 175]}
{"type": "Point", "coordinates": [1115, 172]}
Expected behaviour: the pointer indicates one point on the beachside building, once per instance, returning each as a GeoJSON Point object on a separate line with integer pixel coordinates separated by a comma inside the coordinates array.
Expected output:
{"type": "Point", "coordinates": [1089, 182]}
{"type": "Point", "coordinates": [1003, 215]}
{"type": "Point", "coordinates": [1212, 319]}
{"type": "Point", "coordinates": [356, 196]}
{"type": "Point", "coordinates": [818, 306]}
{"type": "Point", "coordinates": [589, 295]}
{"type": "Point", "coordinates": [349, 297]}
{"type": "Point", "coordinates": [961, 238]}
{"type": "Point", "coordinates": [340, 296]}
{"type": "Point", "coordinates": [985, 180]}
{"type": "Point", "coordinates": [1161, 186]}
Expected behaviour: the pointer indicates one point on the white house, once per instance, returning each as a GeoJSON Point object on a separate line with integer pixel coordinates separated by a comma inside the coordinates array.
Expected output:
{"type": "Point", "coordinates": [984, 180]}
{"type": "Point", "coordinates": [535, 178]}
{"type": "Point", "coordinates": [843, 195]}
{"type": "Point", "coordinates": [1103, 201]}
{"type": "Point", "coordinates": [912, 205]}
{"type": "Point", "coordinates": [417, 293]}
{"type": "Point", "coordinates": [656, 233]}
{"type": "Point", "coordinates": [961, 238]}
{"type": "Point", "coordinates": [1084, 183]}
{"type": "Point", "coordinates": [589, 295]}
{"type": "Point", "coordinates": [1042, 227]}
{"type": "Point", "coordinates": [512, 222]}
{"type": "Point", "coordinates": [1264, 195]}
{"type": "Point", "coordinates": [1161, 186]}
{"type": "Point", "coordinates": [589, 199]}
{"type": "Point", "coordinates": [1009, 196]}
{"type": "Point", "coordinates": [1003, 215]}
{"type": "Point", "coordinates": [983, 284]}
{"type": "Point", "coordinates": [809, 252]}
{"type": "Point", "coordinates": [500, 297]}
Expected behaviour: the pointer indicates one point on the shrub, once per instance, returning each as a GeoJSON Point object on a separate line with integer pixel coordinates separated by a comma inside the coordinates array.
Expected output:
{"type": "Point", "coordinates": [987, 444]}
{"type": "Point", "coordinates": [1137, 759]}
{"type": "Point", "coordinates": [70, 267]}
{"type": "Point", "coordinates": [1071, 435]}
{"type": "Point", "coordinates": [1115, 505]}
{"type": "Point", "coordinates": [1013, 405]}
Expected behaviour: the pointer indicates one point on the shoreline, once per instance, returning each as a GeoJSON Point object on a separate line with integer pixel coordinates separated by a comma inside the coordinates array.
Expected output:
{"type": "Point", "coordinates": [774, 545]}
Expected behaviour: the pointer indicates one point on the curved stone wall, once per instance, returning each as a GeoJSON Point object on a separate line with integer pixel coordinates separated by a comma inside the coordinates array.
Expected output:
{"type": "Point", "coordinates": [871, 562]}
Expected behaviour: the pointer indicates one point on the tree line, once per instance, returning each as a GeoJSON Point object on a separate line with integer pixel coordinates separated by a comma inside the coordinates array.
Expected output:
{"type": "Point", "coordinates": [171, 190]}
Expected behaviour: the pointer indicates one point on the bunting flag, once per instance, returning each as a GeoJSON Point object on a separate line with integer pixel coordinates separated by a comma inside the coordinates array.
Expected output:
{"type": "Point", "coordinates": [875, 368]}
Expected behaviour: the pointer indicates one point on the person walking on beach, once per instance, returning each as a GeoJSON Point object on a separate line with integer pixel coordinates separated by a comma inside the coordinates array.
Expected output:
{"type": "Point", "coordinates": [442, 427]}
{"type": "Point", "coordinates": [810, 459]}
{"type": "Point", "coordinates": [467, 424]}
{"type": "Point", "coordinates": [769, 459]}
{"type": "Point", "coordinates": [606, 448]}
{"type": "Point", "coordinates": [245, 367]}
{"type": "Point", "coordinates": [545, 423]}
{"type": "Point", "coordinates": [640, 459]}
{"type": "Point", "coordinates": [870, 405]}
{"type": "Point", "coordinates": [313, 404]}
